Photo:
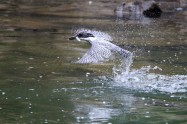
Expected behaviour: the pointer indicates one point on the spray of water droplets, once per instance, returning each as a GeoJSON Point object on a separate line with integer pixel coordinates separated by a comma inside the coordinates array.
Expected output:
{"type": "Point", "coordinates": [143, 80]}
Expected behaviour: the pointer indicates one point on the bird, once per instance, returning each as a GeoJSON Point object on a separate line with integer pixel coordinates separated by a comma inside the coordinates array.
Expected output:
{"type": "Point", "coordinates": [101, 46]}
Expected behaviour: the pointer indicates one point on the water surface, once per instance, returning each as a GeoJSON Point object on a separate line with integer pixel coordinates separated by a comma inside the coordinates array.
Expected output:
{"type": "Point", "coordinates": [39, 83]}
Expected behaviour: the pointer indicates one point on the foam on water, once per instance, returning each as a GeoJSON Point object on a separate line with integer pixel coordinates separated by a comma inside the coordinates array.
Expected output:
{"type": "Point", "coordinates": [142, 79]}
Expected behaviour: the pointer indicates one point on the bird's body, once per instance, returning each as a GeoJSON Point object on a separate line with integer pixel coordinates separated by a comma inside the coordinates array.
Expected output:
{"type": "Point", "coordinates": [101, 47]}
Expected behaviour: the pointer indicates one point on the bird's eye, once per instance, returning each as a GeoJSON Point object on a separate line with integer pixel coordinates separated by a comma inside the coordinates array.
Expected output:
{"type": "Point", "coordinates": [85, 35]}
{"type": "Point", "coordinates": [80, 35]}
{"type": "Point", "coordinates": [90, 35]}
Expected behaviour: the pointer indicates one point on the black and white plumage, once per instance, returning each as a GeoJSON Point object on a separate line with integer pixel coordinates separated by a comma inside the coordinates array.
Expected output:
{"type": "Point", "coordinates": [101, 47]}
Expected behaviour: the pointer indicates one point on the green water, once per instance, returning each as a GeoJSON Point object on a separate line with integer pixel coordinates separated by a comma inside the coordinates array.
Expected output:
{"type": "Point", "coordinates": [39, 83]}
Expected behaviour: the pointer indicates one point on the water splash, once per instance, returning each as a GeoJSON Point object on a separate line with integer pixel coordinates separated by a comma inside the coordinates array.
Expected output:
{"type": "Point", "coordinates": [142, 79]}
{"type": "Point", "coordinates": [124, 66]}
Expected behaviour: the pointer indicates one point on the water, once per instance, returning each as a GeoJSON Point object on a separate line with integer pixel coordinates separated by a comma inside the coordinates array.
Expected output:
{"type": "Point", "coordinates": [39, 83]}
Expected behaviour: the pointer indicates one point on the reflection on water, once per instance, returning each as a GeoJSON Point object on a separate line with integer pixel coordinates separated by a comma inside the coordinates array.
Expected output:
{"type": "Point", "coordinates": [40, 84]}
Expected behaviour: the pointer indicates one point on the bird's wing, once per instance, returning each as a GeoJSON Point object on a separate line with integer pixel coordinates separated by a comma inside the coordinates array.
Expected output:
{"type": "Point", "coordinates": [122, 52]}
{"type": "Point", "coordinates": [95, 54]}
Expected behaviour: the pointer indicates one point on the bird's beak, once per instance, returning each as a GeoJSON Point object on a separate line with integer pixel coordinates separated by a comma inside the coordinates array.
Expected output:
{"type": "Point", "coordinates": [78, 39]}
{"type": "Point", "coordinates": [74, 37]}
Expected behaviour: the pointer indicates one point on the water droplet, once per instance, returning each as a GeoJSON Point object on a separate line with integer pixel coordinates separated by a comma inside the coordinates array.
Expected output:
{"type": "Point", "coordinates": [147, 116]}
{"type": "Point", "coordinates": [90, 2]}
{"type": "Point", "coordinates": [31, 89]}
{"type": "Point", "coordinates": [172, 96]}
{"type": "Point", "coordinates": [3, 93]}
{"type": "Point", "coordinates": [87, 73]}
{"type": "Point", "coordinates": [30, 67]}
{"type": "Point", "coordinates": [143, 98]}
{"type": "Point", "coordinates": [166, 104]}
{"type": "Point", "coordinates": [18, 97]}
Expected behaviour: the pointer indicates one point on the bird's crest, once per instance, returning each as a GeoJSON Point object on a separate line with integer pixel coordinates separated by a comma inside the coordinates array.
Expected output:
{"type": "Point", "coordinates": [98, 34]}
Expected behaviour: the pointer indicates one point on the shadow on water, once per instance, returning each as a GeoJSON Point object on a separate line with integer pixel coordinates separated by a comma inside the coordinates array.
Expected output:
{"type": "Point", "coordinates": [39, 83]}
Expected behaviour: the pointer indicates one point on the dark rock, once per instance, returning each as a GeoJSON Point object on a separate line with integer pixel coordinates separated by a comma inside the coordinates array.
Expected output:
{"type": "Point", "coordinates": [153, 12]}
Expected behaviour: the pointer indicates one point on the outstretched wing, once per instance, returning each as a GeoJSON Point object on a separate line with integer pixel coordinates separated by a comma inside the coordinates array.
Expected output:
{"type": "Point", "coordinates": [124, 54]}
{"type": "Point", "coordinates": [95, 54]}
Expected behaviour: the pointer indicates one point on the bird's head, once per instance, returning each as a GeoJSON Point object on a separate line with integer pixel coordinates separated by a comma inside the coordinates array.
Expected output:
{"type": "Point", "coordinates": [83, 36]}
{"type": "Point", "coordinates": [90, 35]}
